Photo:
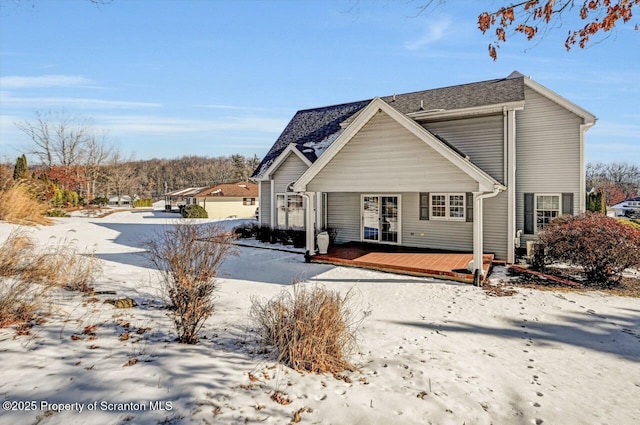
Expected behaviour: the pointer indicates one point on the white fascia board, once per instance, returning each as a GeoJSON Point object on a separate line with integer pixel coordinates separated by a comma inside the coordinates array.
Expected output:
{"type": "Point", "coordinates": [486, 182]}
{"type": "Point", "coordinates": [587, 116]}
{"type": "Point", "coordinates": [280, 159]}
{"type": "Point", "coordinates": [466, 112]}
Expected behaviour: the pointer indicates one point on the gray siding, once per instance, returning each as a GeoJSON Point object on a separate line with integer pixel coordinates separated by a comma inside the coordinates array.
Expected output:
{"type": "Point", "coordinates": [547, 151]}
{"type": "Point", "coordinates": [265, 203]}
{"type": "Point", "coordinates": [453, 235]}
{"type": "Point", "coordinates": [343, 214]}
{"type": "Point", "coordinates": [289, 171]}
{"type": "Point", "coordinates": [495, 234]}
{"type": "Point", "coordinates": [482, 139]}
{"type": "Point", "coordinates": [384, 156]}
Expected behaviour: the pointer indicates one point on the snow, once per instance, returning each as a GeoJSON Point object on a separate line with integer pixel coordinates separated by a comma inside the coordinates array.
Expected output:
{"type": "Point", "coordinates": [430, 351]}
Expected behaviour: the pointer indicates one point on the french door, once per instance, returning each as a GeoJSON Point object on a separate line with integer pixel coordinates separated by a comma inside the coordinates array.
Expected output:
{"type": "Point", "coordinates": [381, 218]}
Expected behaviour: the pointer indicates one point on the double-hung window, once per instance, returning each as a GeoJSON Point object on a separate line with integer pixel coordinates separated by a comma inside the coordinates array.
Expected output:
{"type": "Point", "coordinates": [448, 206]}
{"type": "Point", "coordinates": [289, 211]}
{"type": "Point", "coordinates": [547, 208]}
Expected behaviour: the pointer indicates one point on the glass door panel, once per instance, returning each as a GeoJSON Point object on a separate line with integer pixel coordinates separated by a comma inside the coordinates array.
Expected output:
{"type": "Point", "coordinates": [389, 219]}
{"type": "Point", "coordinates": [371, 218]}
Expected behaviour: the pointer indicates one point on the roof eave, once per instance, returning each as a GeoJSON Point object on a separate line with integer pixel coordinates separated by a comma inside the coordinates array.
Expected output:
{"type": "Point", "coordinates": [587, 116]}
{"type": "Point", "coordinates": [291, 148]}
{"type": "Point", "coordinates": [465, 112]}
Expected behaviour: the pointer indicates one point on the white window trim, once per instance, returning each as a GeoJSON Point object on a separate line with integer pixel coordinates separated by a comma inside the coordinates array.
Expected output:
{"type": "Point", "coordinates": [286, 203]}
{"type": "Point", "coordinates": [535, 208]}
{"type": "Point", "coordinates": [447, 196]}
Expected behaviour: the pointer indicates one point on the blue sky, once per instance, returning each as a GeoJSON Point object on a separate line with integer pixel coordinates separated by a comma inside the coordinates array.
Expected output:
{"type": "Point", "coordinates": [169, 78]}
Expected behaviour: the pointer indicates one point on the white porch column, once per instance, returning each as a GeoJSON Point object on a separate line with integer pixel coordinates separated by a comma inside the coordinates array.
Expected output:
{"type": "Point", "coordinates": [272, 195]}
{"type": "Point", "coordinates": [310, 222]}
{"type": "Point", "coordinates": [477, 232]}
{"type": "Point", "coordinates": [511, 185]}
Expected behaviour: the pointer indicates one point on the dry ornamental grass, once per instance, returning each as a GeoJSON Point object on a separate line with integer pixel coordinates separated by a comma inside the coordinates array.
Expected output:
{"type": "Point", "coordinates": [16, 206]}
{"type": "Point", "coordinates": [312, 329]}
{"type": "Point", "coordinates": [26, 274]}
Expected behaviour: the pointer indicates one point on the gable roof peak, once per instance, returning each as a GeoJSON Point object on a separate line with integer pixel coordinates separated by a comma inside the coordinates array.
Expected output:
{"type": "Point", "coordinates": [515, 74]}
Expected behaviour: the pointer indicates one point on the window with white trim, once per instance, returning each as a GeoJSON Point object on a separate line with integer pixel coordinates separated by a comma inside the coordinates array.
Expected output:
{"type": "Point", "coordinates": [547, 207]}
{"type": "Point", "coordinates": [448, 206]}
{"type": "Point", "coordinates": [248, 201]}
{"type": "Point", "coordinates": [289, 211]}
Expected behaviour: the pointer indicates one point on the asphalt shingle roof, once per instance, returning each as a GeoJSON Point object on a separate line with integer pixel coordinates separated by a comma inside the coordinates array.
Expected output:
{"type": "Point", "coordinates": [313, 130]}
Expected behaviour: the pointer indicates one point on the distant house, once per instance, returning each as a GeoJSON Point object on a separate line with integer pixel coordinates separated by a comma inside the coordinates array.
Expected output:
{"type": "Point", "coordinates": [122, 201]}
{"type": "Point", "coordinates": [478, 167]}
{"type": "Point", "coordinates": [174, 199]}
{"type": "Point", "coordinates": [228, 200]}
{"type": "Point", "coordinates": [627, 208]}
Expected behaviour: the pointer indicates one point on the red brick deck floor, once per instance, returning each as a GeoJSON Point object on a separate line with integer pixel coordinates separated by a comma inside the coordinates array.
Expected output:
{"type": "Point", "coordinates": [444, 265]}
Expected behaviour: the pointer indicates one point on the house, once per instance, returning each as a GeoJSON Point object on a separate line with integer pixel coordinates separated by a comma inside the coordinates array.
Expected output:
{"type": "Point", "coordinates": [627, 208]}
{"type": "Point", "coordinates": [478, 167]}
{"type": "Point", "coordinates": [121, 201]}
{"type": "Point", "coordinates": [229, 200]}
{"type": "Point", "coordinates": [176, 198]}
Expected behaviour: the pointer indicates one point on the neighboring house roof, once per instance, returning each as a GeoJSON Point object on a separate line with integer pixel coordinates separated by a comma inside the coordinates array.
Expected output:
{"type": "Point", "coordinates": [312, 131]}
{"type": "Point", "coordinates": [625, 203]}
{"type": "Point", "coordinates": [184, 192]}
{"type": "Point", "coordinates": [229, 190]}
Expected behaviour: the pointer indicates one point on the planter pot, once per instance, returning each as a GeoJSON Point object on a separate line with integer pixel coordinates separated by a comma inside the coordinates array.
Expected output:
{"type": "Point", "coordinates": [323, 242]}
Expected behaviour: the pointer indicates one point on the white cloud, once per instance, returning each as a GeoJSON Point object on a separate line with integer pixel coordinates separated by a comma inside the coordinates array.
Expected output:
{"type": "Point", "coordinates": [613, 129]}
{"type": "Point", "coordinates": [162, 125]}
{"type": "Point", "coordinates": [9, 101]}
{"type": "Point", "coordinates": [434, 32]}
{"type": "Point", "coordinates": [23, 82]}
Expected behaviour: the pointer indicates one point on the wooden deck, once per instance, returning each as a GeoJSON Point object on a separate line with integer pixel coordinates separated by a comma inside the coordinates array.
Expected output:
{"type": "Point", "coordinates": [403, 260]}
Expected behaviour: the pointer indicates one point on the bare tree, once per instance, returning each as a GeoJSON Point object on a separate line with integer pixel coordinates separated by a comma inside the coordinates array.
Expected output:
{"type": "Point", "coordinates": [121, 176]}
{"type": "Point", "coordinates": [96, 156]}
{"type": "Point", "coordinates": [58, 139]}
{"type": "Point", "coordinates": [618, 180]}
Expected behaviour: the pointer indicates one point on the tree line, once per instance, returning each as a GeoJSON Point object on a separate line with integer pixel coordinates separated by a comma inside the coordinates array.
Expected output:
{"type": "Point", "coordinates": [617, 181]}
{"type": "Point", "coordinates": [71, 154]}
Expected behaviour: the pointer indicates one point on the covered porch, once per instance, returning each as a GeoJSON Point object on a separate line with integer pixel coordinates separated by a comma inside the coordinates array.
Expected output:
{"type": "Point", "coordinates": [448, 265]}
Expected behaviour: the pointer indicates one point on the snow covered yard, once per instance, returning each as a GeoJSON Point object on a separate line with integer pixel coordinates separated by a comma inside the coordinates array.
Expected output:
{"type": "Point", "coordinates": [430, 351]}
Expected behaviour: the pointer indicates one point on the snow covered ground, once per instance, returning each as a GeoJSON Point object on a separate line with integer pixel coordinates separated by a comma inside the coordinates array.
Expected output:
{"type": "Point", "coordinates": [431, 352]}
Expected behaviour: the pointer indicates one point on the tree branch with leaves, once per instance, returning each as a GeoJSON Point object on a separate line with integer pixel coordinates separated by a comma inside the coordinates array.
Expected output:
{"type": "Point", "coordinates": [531, 18]}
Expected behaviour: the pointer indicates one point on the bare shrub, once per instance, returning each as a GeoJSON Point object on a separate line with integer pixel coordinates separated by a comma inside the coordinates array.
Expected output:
{"type": "Point", "coordinates": [17, 206]}
{"type": "Point", "coordinates": [311, 328]}
{"type": "Point", "coordinates": [188, 257]}
{"type": "Point", "coordinates": [600, 246]}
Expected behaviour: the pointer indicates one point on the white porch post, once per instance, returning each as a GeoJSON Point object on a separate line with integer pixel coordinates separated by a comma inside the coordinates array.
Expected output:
{"type": "Point", "coordinates": [310, 224]}
{"type": "Point", "coordinates": [272, 214]}
{"type": "Point", "coordinates": [511, 184]}
{"type": "Point", "coordinates": [477, 232]}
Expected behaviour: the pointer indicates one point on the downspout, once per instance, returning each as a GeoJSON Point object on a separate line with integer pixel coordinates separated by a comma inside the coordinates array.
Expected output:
{"type": "Point", "coordinates": [583, 177]}
{"type": "Point", "coordinates": [478, 228]}
{"type": "Point", "coordinates": [309, 226]}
